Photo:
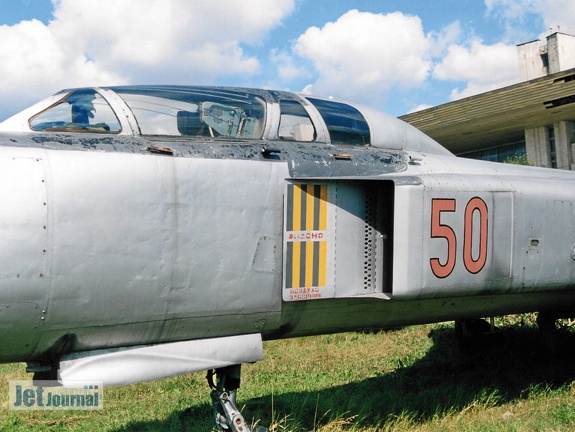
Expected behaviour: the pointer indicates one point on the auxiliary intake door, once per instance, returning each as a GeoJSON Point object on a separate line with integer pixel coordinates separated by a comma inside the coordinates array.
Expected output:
{"type": "Point", "coordinates": [337, 239]}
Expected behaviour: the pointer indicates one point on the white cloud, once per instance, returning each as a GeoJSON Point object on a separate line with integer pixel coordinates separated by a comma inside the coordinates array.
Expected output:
{"type": "Point", "coordinates": [512, 9]}
{"type": "Point", "coordinates": [518, 17]}
{"type": "Point", "coordinates": [559, 15]}
{"type": "Point", "coordinates": [102, 42]}
{"type": "Point", "coordinates": [443, 39]}
{"type": "Point", "coordinates": [482, 67]}
{"type": "Point", "coordinates": [363, 55]}
{"type": "Point", "coordinates": [419, 108]}
{"type": "Point", "coordinates": [201, 37]}
{"type": "Point", "coordinates": [551, 15]}
{"type": "Point", "coordinates": [35, 64]}
{"type": "Point", "coordinates": [286, 65]}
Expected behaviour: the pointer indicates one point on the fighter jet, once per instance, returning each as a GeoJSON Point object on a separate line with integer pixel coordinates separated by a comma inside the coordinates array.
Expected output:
{"type": "Point", "coordinates": [150, 231]}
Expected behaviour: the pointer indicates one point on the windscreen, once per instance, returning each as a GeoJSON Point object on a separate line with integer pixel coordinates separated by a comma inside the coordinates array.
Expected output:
{"type": "Point", "coordinates": [81, 111]}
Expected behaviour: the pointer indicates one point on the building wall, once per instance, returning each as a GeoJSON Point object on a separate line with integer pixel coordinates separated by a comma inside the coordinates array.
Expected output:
{"type": "Point", "coordinates": [537, 60]}
{"type": "Point", "coordinates": [560, 52]}
{"type": "Point", "coordinates": [532, 60]}
{"type": "Point", "coordinates": [563, 145]}
{"type": "Point", "coordinates": [538, 147]}
{"type": "Point", "coordinates": [552, 146]}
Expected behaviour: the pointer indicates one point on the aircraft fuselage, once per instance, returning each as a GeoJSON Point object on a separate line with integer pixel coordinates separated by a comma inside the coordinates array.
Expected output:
{"type": "Point", "coordinates": [256, 213]}
{"type": "Point", "coordinates": [106, 249]}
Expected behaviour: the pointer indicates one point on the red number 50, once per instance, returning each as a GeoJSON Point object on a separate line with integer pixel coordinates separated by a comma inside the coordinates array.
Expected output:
{"type": "Point", "coordinates": [438, 230]}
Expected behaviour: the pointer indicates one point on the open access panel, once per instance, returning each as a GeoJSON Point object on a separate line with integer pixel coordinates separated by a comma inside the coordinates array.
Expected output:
{"type": "Point", "coordinates": [338, 239]}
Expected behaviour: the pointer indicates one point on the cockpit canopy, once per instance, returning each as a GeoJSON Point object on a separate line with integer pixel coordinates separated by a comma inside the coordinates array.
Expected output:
{"type": "Point", "coordinates": [157, 112]}
{"type": "Point", "coordinates": [217, 113]}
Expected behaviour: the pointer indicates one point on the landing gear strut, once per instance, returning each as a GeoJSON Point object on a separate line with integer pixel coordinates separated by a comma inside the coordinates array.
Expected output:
{"type": "Point", "coordinates": [224, 391]}
{"type": "Point", "coordinates": [553, 332]}
{"type": "Point", "coordinates": [471, 334]}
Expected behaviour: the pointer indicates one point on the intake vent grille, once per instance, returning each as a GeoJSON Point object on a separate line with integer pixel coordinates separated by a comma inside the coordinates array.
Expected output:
{"type": "Point", "coordinates": [369, 249]}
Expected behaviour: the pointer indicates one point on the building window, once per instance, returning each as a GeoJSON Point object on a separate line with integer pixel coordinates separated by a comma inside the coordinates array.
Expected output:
{"type": "Point", "coordinates": [498, 154]}
{"type": "Point", "coordinates": [552, 148]}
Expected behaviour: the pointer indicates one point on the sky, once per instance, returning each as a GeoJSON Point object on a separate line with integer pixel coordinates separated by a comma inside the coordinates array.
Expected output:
{"type": "Point", "coordinates": [395, 55]}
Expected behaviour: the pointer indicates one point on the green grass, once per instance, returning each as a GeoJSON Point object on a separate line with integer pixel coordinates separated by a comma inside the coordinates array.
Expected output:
{"type": "Point", "coordinates": [412, 379]}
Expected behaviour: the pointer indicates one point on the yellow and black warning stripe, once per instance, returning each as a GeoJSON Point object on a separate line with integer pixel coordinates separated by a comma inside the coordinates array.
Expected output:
{"type": "Point", "coordinates": [306, 226]}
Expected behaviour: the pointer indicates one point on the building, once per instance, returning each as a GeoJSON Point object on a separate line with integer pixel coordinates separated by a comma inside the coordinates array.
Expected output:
{"type": "Point", "coordinates": [534, 117]}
